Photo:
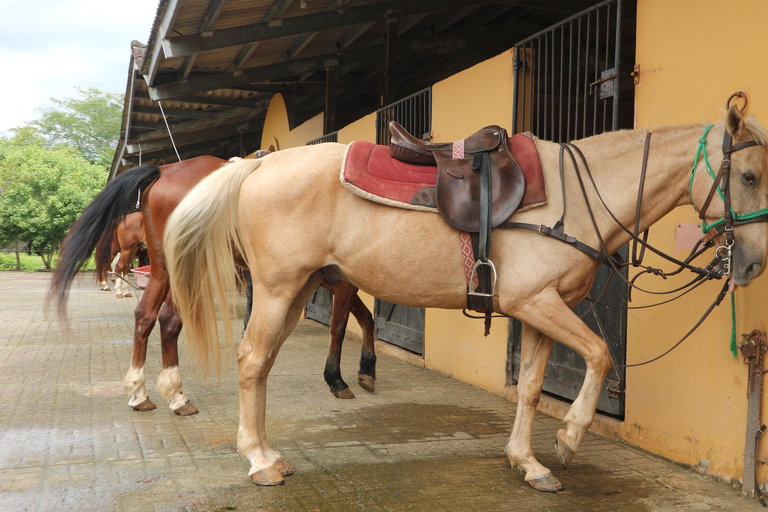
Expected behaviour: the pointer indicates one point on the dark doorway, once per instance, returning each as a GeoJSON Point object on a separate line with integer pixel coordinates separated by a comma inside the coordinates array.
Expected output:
{"type": "Point", "coordinates": [573, 80]}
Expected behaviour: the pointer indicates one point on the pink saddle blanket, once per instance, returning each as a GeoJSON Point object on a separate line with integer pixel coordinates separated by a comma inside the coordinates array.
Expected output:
{"type": "Point", "coordinates": [370, 172]}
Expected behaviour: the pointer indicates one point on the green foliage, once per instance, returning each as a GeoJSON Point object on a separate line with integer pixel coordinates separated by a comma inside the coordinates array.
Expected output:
{"type": "Point", "coordinates": [31, 263]}
{"type": "Point", "coordinates": [28, 263]}
{"type": "Point", "coordinates": [42, 192]}
{"type": "Point", "coordinates": [90, 123]}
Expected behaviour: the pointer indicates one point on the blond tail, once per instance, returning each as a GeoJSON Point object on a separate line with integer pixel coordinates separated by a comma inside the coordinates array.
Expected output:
{"type": "Point", "coordinates": [201, 237]}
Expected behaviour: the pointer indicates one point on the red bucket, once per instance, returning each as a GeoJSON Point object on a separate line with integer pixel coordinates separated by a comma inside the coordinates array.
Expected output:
{"type": "Point", "coordinates": [142, 275]}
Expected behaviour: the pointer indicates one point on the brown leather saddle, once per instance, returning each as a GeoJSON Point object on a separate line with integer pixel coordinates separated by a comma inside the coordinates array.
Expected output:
{"type": "Point", "coordinates": [459, 180]}
{"type": "Point", "coordinates": [479, 186]}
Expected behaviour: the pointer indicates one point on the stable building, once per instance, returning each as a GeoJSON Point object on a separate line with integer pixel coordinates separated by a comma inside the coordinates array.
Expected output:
{"type": "Point", "coordinates": [229, 78]}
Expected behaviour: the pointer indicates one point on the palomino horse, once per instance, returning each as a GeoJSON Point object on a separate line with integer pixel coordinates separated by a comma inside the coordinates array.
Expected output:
{"type": "Point", "coordinates": [127, 236]}
{"type": "Point", "coordinates": [163, 188]}
{"type": "Point", "coordinates": [295, 223]}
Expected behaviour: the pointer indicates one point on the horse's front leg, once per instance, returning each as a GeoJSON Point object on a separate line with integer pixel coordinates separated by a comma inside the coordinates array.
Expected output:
{"type": "Point", "coordinates": [272, 320]}
{"type": "Point", "coordinates": [534, 352]}
{"type": "Point", "coordinates": [145, 318]}
{"type": "Point", "coordinates": [169, 383]}
{"type": "Point", "coordinates": [551, 316]}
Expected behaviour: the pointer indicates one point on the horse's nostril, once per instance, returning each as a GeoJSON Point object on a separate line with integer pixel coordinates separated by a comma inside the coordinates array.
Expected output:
{"type": "Point", "coordinates": [752, 270]}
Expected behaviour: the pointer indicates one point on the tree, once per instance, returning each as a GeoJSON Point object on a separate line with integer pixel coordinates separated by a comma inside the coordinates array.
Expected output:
{"type": "Point", "coordinates": [42, 192]}
{"type": "Point", "coordinates": [90, 123]}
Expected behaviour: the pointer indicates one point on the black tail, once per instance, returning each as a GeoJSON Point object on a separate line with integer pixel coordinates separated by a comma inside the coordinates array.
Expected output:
{"type": "Point", "coordinates": [96, 223]}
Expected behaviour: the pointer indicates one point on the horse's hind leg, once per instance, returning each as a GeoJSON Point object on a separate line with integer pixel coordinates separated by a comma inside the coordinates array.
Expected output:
{"type": "Point", "coordinates": [366, 377]}
{"type": "Point", "coordinates": [146, 315]}
{"type": "Point", "coordinates": [343, 293]}
{"type": "Point", "coordinates": [272, 320]}
{"type": "Point", "coordinates": [169, 383]}
{"type": "Point", "coordinates": [534, 352]}
{"type": "Point", "coordinates": [550, 315]}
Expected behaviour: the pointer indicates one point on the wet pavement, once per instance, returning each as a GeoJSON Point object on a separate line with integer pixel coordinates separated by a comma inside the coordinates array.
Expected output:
{"type": "Point", "coordinates": [422, 441]}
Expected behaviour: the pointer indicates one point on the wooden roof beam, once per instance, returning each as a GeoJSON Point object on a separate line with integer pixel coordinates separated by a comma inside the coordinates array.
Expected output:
{"type": "Point", "coordinates": [277, 9]}
{"type": "Point", "coordinates": [304, 40]}
{"type": "Point", "coordinates": [174, 112]}
{"type": "Point", "coordinates": [209, 18]}
{"type": "Point", "coordinates": [260, 74]}
{"type": "Point", "coordinates": [307, 24]}
{"type": "Point", "coordinates": [190, 138]}
{"type": "Point", "coordinates": [162, 132]}
{"type": "Point", "coordinates": [455, 42]}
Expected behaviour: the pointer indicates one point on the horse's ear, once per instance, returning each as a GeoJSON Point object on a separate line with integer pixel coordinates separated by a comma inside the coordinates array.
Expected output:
{"type": "Point", "coordinates": [734, 122]}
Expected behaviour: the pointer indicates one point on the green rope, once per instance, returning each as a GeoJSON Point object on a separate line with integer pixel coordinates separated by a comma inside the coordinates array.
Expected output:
{"type": "Point", "coordinates": [733, 324]}
{"type": "Point", "coordinates": [702, 150]}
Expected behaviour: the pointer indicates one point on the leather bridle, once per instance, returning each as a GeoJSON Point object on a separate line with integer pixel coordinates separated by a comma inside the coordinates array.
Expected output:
{"type": "Point", "coordinates": [721, 184]}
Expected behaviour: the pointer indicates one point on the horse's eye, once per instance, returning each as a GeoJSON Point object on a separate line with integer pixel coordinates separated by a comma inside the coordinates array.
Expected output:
{"type": "Point", "coordinates": [749, 179]}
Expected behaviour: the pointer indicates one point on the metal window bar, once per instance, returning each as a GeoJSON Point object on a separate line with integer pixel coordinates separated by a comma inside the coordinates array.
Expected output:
{"type": "Point", "coordinates": [328, 137]}
{"type": "Point", "coordinates": [560, 96]}
{"type": "Point", "coordinates": [413, 112]}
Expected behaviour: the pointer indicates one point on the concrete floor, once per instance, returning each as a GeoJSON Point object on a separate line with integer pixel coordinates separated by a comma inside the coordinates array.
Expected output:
{"type": "Point", "coordinates": [422, 441]}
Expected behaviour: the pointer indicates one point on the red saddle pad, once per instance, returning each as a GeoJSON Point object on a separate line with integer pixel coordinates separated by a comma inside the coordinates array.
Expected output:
{"type": "Point", "coordinates": [370, 172]}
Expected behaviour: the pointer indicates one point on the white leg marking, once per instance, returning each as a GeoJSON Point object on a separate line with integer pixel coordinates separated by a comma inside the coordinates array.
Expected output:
{"type": "Point", "coordinates": [169, 385]}
{"type": "Point", "coordinates": [135, 386]}
{"type": "Point", "coordinates": [118, 288]}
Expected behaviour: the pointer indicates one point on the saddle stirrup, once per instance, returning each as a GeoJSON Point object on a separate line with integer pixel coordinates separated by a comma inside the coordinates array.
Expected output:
{"type": "Point", "coordinates": [475, 293]}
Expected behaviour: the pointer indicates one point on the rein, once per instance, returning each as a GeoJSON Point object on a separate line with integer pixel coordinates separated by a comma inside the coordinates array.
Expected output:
{"type": "Point", "coordinates": [723, 254]}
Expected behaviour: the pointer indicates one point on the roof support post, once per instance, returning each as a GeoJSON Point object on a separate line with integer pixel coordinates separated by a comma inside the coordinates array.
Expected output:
{"type": "Point", "coordinates": [331, 90]}
{"type": "Point", "coordinates": [390, 65]}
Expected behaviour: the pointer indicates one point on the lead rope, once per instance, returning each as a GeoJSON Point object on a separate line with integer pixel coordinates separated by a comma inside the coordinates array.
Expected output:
{"type": "Point", "coordinates": [170, 135]}
{"type": "Point", "coordinates": [733, 324]}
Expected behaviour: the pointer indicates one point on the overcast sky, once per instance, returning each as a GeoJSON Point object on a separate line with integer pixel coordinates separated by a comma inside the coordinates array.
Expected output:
{"type": "Point", "coordinates": [49, 47]}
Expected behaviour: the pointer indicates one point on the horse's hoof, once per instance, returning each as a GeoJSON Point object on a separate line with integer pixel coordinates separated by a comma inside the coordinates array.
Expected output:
{"type": "Point", "coordinates": [283, 467]}
{"type": "Point", "coordinates": [564, 451]}
{"type": "Point", "coordinates": [367, 382]}
{"type": "Point", "coordinates": [546, 483]}
{"type": "Point", "coordinates": [268, 476]}
{"type": "Point", "coordinates": [127, 294]}
{"type": "Point", "coordinates": [186, 410]}
{"type": "Point", "coordinates": [119, 295]}
{"type": "Point", "coordinates": [146, 405]}
{"type": "Point", "coordinates": [345, 393]}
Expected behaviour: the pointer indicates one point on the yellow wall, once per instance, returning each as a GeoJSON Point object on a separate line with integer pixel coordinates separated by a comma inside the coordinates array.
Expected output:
{"type": "Point", "coordinates": [691, 405]}
{"type": "Point", "coordinates": [461, 105]}
{"type": "Point", "coordinates": [277, 135]}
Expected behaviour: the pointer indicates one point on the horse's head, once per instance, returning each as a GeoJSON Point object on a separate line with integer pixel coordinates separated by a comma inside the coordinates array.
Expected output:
{"type": "Point", "coordinates": [748, 196]}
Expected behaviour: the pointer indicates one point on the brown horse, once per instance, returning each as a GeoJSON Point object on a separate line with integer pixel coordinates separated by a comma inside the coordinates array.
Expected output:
{"type": "Point", "coordinates": [127, 236]}
{"type": "Point", "coordinates": [162, 189]}
{"type": "Point", "coordinates": [295, 223]}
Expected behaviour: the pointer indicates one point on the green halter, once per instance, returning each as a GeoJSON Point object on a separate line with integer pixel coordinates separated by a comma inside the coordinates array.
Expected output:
{"type": "Point", "coordinates": [736, 216]}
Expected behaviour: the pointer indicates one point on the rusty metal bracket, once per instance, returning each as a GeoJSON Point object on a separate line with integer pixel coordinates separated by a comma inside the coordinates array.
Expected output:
{"type": "Point", "coordinates": [753, 347]}
{"type": "Point", "coordinates": [607, 83]}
